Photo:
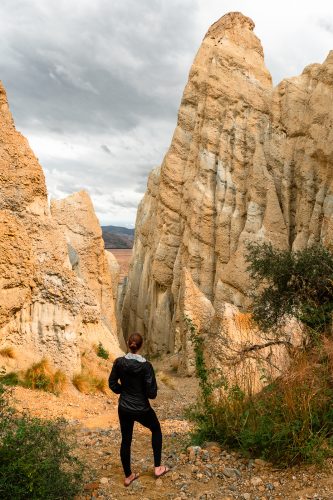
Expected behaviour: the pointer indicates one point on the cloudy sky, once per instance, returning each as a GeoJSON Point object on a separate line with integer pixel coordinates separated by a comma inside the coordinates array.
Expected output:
{"type": "Point", "coordinates": [95, 84]}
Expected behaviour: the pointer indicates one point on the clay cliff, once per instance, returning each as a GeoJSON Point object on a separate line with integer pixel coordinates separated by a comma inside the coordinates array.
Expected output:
{"type": "Point", "coordinates": [50, 303]}
{"type": "Point", "coordinates": [247, 163]}
{"type": "Point", "coordinates": [78, 222]}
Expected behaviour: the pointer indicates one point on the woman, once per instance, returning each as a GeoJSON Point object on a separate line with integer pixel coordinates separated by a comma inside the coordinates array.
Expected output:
{"type": "Point", "coordinates": [137, 386]}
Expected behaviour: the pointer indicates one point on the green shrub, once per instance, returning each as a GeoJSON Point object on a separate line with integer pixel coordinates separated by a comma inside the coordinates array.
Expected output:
{"type": "Point", "coordinates": [39, 376]}
{"type": "Point", "coordinates": [10, 378]}
{"type": "Point", "coordinates": [102, 352]}
{"type": "Point", "coordinates": [287, 283]}
{"type": "Point", "coordinates": [37, 457]}
{"type": "Point", "coordinates": [200, 365]}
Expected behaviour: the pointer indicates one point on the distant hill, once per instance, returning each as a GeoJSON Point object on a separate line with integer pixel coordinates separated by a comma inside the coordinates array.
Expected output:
{"type": "Point", "coordinates": [118, 237]}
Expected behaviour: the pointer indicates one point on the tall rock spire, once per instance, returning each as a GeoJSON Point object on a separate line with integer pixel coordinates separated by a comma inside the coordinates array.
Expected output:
{"type": "Point", "coordinates": [246, 163]}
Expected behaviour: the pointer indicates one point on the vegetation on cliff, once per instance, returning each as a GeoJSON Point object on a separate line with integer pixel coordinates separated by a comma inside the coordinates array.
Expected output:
{"type": "Point", "coordinates": [291, 419]}
{"type": "Point", "coordinates": [298, 284]}
{"type": "Point", "coordinates": [40, 376]}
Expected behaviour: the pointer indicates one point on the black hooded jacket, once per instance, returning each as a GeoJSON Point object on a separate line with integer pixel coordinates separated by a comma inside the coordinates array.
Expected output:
{"type": "Point", "coordinates": [137, 383]}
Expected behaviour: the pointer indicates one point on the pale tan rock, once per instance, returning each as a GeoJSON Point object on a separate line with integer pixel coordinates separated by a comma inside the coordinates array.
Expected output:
{"type": "Point", "coordinates": [77, 220]}
{"type": "Point", "coordinates": [16, 266]}
{"type": "Point", "coordinates": [46, 309]}
{"type": "Point", "coordinates": [198, 312]}
{"type": "Point", "coordinates": [247, 163]}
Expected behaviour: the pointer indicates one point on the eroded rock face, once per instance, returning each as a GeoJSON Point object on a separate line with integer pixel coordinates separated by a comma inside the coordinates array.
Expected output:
{"type": "Point", "coordinates": [78, 222]}
{"type": "Point", "coordinates": [46, 308]}
{"type": "Point", "coordinates": [247, 163]}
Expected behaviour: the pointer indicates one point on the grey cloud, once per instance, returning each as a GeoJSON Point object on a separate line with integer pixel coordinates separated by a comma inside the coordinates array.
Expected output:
{"type": "Point", "coordinates": [141, 187]}
{"type": "Point", "coordinates": [106, 149]}
{"type": "Point", "coordinates": [142, 178]}
{"type": "Point", "coordinates": [327, 25]}
{"type": "Point", "coordinates": [118, 202]}
{"type": "Point", "coordinates": [105, 68]}
{"type": "Point", "coordinates": [95, 86]}
{"type": "Point", "coordinates": [65, 75]}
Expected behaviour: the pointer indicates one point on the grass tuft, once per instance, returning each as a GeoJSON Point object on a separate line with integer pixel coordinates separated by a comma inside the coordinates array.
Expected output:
{"type": "Point", "coordinates": [41, 376]}
{"type": "Point", "coordinates": [166, 379]}
{"type": "Point", "coordinates": [11, 378]}
{"type": "Point", "coordinates": [88, 382]}
{"type": "Point", "coordinates": [102, 352]}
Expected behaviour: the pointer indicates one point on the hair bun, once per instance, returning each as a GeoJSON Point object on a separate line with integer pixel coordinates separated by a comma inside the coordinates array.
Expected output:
{"type": "Point", "coordinates": [135, 342]}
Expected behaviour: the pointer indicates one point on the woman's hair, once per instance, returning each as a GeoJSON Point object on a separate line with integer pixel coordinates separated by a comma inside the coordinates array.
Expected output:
{"type": "Point", "coordinates": [135, 342]}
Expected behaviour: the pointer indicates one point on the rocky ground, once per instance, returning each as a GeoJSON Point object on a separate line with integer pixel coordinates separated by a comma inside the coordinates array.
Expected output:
{"type": "Point", "coordinates": [197, 473]}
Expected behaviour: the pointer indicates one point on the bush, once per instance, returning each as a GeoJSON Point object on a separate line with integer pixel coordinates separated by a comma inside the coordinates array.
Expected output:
{"type": "Point", "coordinates": [202, 373]}
{"type": "Point", "coordinates": [37, 457]}
{"type": "Point", "coordinates": [102, 352]}
{"type": "Point", "coordinates": [287, 283]}
{"type": "Point", "coordinates": [10, 378]}
{"type": "Point", "coordinates": [41, 376]}
{"type": "Point", "coordinates": [291, 419]}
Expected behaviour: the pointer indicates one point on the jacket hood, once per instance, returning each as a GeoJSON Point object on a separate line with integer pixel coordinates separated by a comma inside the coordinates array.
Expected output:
{"type": "Point", "coordinates": [133, 365]}
{"type": "Point", "coordinates": [136, 357]}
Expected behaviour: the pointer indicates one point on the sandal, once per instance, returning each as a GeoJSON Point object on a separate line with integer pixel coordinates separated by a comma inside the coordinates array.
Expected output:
{"type": "Point", "coordinates": [136, 476]}
{"type": "Point", "coordinates": [166, 470]}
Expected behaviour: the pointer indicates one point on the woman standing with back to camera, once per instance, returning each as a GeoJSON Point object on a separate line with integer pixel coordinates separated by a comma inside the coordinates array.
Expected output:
{"type": "Point", "coordinates": [137, 385]}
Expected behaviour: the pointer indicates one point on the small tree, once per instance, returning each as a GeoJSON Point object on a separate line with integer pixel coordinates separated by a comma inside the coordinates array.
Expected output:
{"type": "Point", "coordinates": [287, 283]}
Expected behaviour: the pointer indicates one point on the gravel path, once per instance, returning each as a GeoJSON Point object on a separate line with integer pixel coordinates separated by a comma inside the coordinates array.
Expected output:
{"type": "Point", "coordinates": [197, 473]}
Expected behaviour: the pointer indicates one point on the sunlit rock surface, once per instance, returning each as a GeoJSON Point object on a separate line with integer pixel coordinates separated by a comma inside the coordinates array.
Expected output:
{"type": "Point", "coordinates": [247, 163]}
{"type": "Point", "coordinates": [50, 306]}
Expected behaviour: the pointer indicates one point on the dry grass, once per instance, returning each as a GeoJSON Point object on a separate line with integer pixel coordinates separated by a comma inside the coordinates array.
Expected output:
{"type": "Point", "coordinates": [7, 352]}
{"type": "Point", "coordinates": [94, 374]}
{"type": "Point", "coordinates": [244, 322]}
{"type": "Point", "coordinates": [42, 376]}
{"type": "Point", "coordinates": [309, 376]}
{"type": "Point", "coordinates": [88, 382]}
{"type": "Point", "coordinates": [328, 351]}
{"type": "Point", "coordinates": [295, 409]}
{"type": "Point", "coordinates": [165, 379]}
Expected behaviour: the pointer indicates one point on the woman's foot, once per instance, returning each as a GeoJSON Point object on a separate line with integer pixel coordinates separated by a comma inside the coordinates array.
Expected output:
{"type": "Point", "coordinates": [161, 470]}
{"type": "Point", "coordinates": [129, 480]}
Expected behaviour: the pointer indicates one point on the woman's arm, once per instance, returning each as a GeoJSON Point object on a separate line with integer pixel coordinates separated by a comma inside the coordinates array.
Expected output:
{"type": "Point", "coordinates": [113, 379]}
{"type": "Point", "coordinates": [150, 381]}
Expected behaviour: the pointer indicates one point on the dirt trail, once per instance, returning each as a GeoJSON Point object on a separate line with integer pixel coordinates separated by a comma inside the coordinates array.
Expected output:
{"type": "Point", "coordinates": [198, 474]}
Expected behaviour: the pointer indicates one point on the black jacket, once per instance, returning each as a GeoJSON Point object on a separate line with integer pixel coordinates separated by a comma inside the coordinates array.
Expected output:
{"type": "Point", "coordinates": [137, 383]}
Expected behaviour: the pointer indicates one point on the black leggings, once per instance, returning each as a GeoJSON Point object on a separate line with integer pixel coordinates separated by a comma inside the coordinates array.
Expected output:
{"type": "Point", "coordinates": [147, 419]}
